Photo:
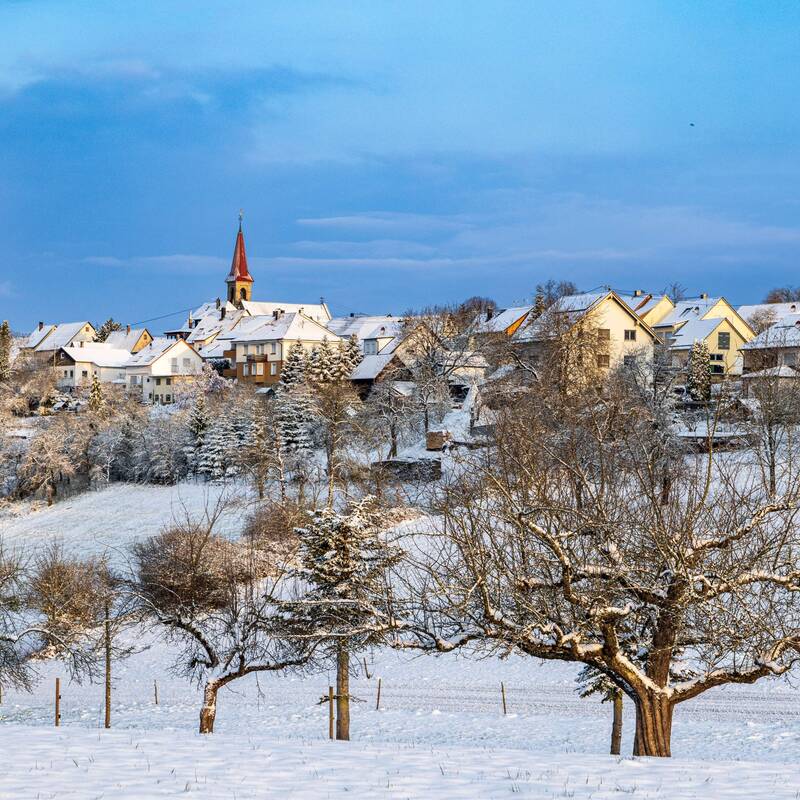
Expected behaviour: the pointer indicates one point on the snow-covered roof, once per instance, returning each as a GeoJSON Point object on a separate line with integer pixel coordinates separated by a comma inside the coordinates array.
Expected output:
{"type": "Point", "coordinates": [147, 355]}
{"type": "Point", "coordinates": [573, 306]}
{"type": "Point", "coordinates": [363, 326]}
{"type": "Point", "coordinates": [316, 311]}
{"type": "Point", "coordinates": [500, 319]}
{"type": "Point", "coordinates": [101, 354]}
{"type": "Point", "coordinates": [62, 335]}
{"type": "Point", "coordinates": [695, 330]}
{"type": "Point", "coordinates": [36, 338]}
{"type": "Point", "coordinates": [784, 333]}
{"type": "Point", "coordinates": [293, 325]}
{"type": "Point", "coordinates": [640, 303]}
{"type": "Point", "coordinates": [691, 308]}
{"type": "Point", "coordinates": [213, 325]}
{"type": "Point", "coordinates": [125, 340]}
{"type": "Point", "coordinates": [370, 367]}
{"type": "Point", "coordinates": [773, 372]}
{"type": "Point", "coordinates": [779, 310]}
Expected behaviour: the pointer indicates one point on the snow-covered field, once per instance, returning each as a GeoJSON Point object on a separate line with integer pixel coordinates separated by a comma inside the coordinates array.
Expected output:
{"type": "Point", "coordinates": [440, 731]}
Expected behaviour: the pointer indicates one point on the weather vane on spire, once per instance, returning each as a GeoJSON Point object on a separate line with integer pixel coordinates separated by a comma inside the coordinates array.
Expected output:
{"type": "Point", "coordinates": [241, 216]}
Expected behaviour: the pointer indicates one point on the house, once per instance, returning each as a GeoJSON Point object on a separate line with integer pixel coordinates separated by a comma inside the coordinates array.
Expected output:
{"type": "Point", "coordinates": [619, 333]}
{"type": "Point", "coordinates": [762, 315]}
{"type": "Point", "coordinates": [778, 346]}
{"type": "Point", "coordinates": [704, 319]}
{"type": "Point", "coordinates": [78, 363]}
{"type": "Point", "coordinates": [46, 340]}
{"type": "Point", "coordinates": [132, 340]}
{"type": "Point", "coordinates": [373, 333]}
{"type": "Point", "coordinates": [156, 372]}
{"type": "Point", "coordinates": [497, 321]}
{"type": "Point", "coordinates": [650, 308]}
{"type": "Point", "coordinates": [261, 343]}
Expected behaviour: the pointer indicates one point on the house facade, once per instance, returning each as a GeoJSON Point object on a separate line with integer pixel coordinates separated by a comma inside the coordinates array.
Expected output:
{"type": "Point", "coordinates": [78, 364]}
{"type": "Point", "coordinates": [44, 343]}
{"type": "Point", "coordinates": [155, 373]}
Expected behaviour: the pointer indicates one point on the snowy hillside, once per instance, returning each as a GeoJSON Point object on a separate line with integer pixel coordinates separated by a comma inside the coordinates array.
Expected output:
{"type": "Point", "coordinates": [440, 723]}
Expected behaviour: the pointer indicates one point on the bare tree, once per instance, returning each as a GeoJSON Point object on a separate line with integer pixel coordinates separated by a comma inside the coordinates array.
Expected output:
{"type": "Point", "coordinates": [783, 294]}
{"type": "Point", "coordinates": [557, 543]}
{"type": "Point", "coordinates": [213, 598]}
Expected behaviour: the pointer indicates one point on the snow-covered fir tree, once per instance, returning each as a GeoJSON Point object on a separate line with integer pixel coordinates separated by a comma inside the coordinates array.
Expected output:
{"type": "Point", "coordinates": [96, 400]}
{"type": "Point", "coordinates": [353, 353]}
{"type": "Point", "coordinates": [293, 410]}
{"type": "Point", "coordinates": [108, 327]}
{"type": "Point", "coordinates": [344, 563]}
{"type": "Point", "coordinates": [322, 364]}
{"type": "Point", "coordinates": [217, 456]}
{"type": "Point", "coordinates": [5, 352]}
{"type": "Point", "coordinates": [197, 427]}
{"type": "Point", "coordinates": [698, 379]}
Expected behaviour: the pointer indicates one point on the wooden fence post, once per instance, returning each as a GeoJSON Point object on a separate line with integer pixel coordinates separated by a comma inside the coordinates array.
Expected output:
{"type": "Point", "coordinates": [378, 701]}
{"type": "Point", "coordinates": [503, 692]}
{"type": "Point", "coordinates": [155, 691]}
{"type": "Point", "coordinates": [58, 702]}
{"type": "Point", "coordinates": [330, 712]}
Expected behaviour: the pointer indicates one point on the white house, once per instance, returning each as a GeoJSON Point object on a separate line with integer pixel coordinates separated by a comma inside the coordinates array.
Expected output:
{"type": "Point", "coordinates": [156, 370]}
{"type": "Point", "coordinates": [46, 340]}
{"type": "Point", "coordinates": [78, 363]}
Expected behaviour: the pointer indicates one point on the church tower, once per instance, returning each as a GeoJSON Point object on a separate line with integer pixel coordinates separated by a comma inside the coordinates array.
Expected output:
{"type": "Point", "coordinates": [239, 280]}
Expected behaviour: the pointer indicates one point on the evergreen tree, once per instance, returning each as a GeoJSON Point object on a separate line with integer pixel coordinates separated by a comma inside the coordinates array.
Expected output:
{"type": "Point", "coordinates": [5, 352]}
{"type": "Point", "coordinates": [293, 370]}
{"type": "Point", "coordinates": [197, 427]}
{"type": "Point", "coordinates": [354, 354]}
{"type": "Point", "coordinates": [293, 403]}
{"type": "Point", "coordinates": [698, 379]}
{"type": "Point", "coordinates": [539, 305]}
{"type": "Point", "coordinates": [96, 400]}
{"type": "Point", "coordinates": [322, 364]}
{"type": "Point", "coordinates": [109, 326]}
{"type": "Point", "coordinates": [217, 453]}
{"type": "Point", "coordinates": [347, 607]}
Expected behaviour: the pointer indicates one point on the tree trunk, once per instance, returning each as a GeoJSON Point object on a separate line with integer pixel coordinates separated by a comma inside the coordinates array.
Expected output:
{"type": "Point", "coordinates": [653, 726]}
{"type": "Point", "coordinates": [343, 693]}
{"type": "Point", "coordinates": [616, 727]}
{"type": "Point", "coordinates": [108, 665]}
{"type": "Point", "coordinates": [393, 439]}
{"type": "Point", "coordinates": [209, 710]}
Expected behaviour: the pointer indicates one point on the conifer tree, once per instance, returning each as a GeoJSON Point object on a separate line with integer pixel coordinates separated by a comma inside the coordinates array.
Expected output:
{"type": "Point", "coordinates": [109, 326]}
{"type": "Point", "coordinates": [5, 352]}
{"type": "Point", "coordinates": [96, 400]}
{"type": "Point", "coordinates": [293, 403]}
{"type": "Point", "coordinates": [539, 305]}
{"type": "Point", "coordinates": [354, 354]}
{"type": "Point", "coordinates": [197, 427]}
{"type": "Point", "coordinates": [293, 370]}
{"type": "Point", "coordinates": [347, 607]}
{"type": "Point", "coordinates": [698, 379]}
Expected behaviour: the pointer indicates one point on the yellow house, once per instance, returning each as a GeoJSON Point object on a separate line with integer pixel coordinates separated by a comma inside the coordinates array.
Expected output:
{"type": "Point", "coordinates": [623, 334]}
{"type": "Point", "coordinates": [650, 308]}
{"type": "Point", "coordinates": [712, 320]}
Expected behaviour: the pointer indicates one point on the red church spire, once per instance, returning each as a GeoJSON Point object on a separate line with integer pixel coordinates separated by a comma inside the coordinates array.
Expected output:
{"type": "Point", "coordinates": [239, 271]}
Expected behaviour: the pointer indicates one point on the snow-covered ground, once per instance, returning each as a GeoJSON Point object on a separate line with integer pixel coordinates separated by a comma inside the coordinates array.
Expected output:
{"type": "Point", "coordinates": [440, 731]}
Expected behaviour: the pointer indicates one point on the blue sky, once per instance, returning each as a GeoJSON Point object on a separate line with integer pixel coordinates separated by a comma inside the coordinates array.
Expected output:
{"type": "Point", "coordinates": [390, 155]}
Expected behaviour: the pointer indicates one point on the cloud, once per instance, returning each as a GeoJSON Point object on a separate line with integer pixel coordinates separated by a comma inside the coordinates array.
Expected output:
{"type": "Point", "coordinates": [175, 262]}
{"type": "Point", "coordinates": [381, 221]}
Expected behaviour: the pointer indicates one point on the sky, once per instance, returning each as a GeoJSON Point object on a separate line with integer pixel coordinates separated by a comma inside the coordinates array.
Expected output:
{"type": "Point", "coordinates": [391, 155]}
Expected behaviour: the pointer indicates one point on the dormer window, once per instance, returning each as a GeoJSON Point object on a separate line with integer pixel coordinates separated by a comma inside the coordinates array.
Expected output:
{"type": "Point", "coordinates": [370, 347]}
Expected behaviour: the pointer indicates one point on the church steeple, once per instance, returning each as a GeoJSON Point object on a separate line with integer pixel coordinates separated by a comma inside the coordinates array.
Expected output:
{"type": "Point", "coordinates": [239, 280]}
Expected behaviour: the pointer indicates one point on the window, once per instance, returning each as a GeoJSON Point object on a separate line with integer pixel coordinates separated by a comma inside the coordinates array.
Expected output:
{"type": "Point", "coordinates": [370, 347]}
{"type": "Point", "coordinates": [273, 368]}
{"type": "Point", "coordinates": [630, 334]}
{"type": "Point", "coordinates": [603, 360]}
{"type": "Point", "coordinates": [168, 381]}
{"type": "Point", "coordinates": [790, 359]}
{"type": "Point", "coordinates": [158, 381]}
{"type": "Point", "coordinates": [187, 364]}
{"type": "Point", "coordinates": [245, 369]}
{"type": "Point", "coordinates": [604, 333]}
{"type": "Point", "coordinates": [260, 368]}
{"type": "Point", "coordinates": [84, 373]}
{"type": "Point", "coordinates": [717, 369]}
{"type": "Point", "coordinates": [71, 374]}
{"type": "Point", "coordinates": [244, 349]}
{"type": "Point", "coordinates": [168, 398]}
{"type": "Point", "coordinates": [259, 349]}
{"type": "Point", "coordinates": [150, 396]}
{"type": "Point", "coordinates": [723, 341]}
{"type": "Point", "coordinates": [716, 357]}
{"type": "Point", "coordinates": [629, 361]}
{"type": "Point", "coordinates": [173, 365]}
{"type": "Point", "coordinates": [274, 348]}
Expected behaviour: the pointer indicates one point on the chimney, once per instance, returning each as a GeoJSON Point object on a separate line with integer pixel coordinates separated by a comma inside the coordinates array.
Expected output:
{"type": "Point", "coordinates": [638, 292]}
{"type": "Point", "coordinates": [81, 343]}
{"type": "Point", "coordinates": [352, 313]}
{"type": "Point", "coordinates": [128, 329]}
{"type": "Point", "coordinates": [41, 326]}
{"type": "Point", "coordinates": [704, 295]}
{"type": "Point", "coordinates": [218, 302]}
{"type": "Point", "coordinates": [222, 313]}
{"type": "Point", "coordinates": [489, 313]}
